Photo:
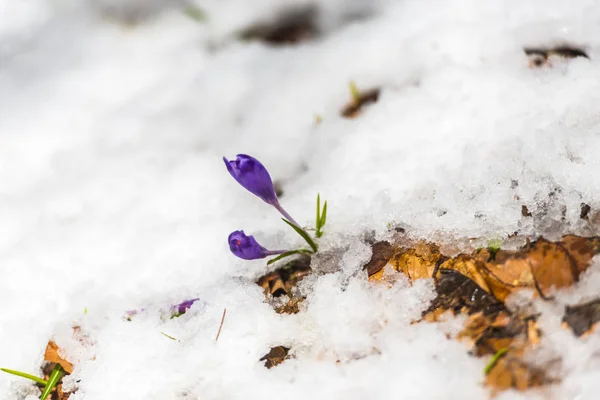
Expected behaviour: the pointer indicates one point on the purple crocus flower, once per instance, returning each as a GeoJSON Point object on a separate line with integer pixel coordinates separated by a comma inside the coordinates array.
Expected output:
{"type": "Point", "coordinates": [247, 247]}
{"type": "Point", "coordinates": [182, 307]}
{"type": "Point", "coordinates": [252, 175]}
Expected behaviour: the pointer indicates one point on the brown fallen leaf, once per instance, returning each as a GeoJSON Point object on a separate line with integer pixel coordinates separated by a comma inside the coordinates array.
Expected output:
{"type": "Point", "coordinates": [582, 318]}
{"type": "Point", "coordinates": [542, 265]}
{"type": "Point", "coordinates": [551, 266]}
{"type": "Point", "coordinates": [477, 285]}
{"type": "Point", "coordinates": [382, 252]}
{"type": "Point", "coordinates": [507, 337]}
{"type": "Point", "coordinates": [290, 26]}
{"type": "Point", "coordinates": [275, 356]}
{"type": "Point", "coordinates": [540, 56]}
{"type": "Point", "coordinates": [51, 355]}
{"type": "Point", "coordinates": [585, 211]}
{"type": "Point", "coordinates": [479, 327]}
{"type": "Point", "coordinates": [469, 267]}
{"type": "Point", "coordinates": [581, 250]}
{"type": "Point", "coordinates": [281, 283]}
{"type": "Point", "coordinates": [516, 331]}
{"type": "Point", "coordinates": [512, 372]}
{"type": "Point", "coordinates": [355, 106]}
{"type": "Point", "coordinates": [460, 294]}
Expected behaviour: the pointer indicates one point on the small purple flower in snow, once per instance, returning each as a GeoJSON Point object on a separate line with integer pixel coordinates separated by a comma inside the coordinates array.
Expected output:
{"type": "Point", "coordinates": [247, 247]}
{"type": "Point", "coordinates": [252, 175]}
{"type": "Point", "coordinates": [182, 307]}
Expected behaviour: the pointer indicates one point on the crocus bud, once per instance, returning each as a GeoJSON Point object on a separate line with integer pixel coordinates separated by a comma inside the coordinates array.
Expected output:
{"type": "Point", "coordinates": [247, 247]}
{"type": "Point", "coordinates": [253, 176]}
{"type": "Point", "coordinates": [182, 307]}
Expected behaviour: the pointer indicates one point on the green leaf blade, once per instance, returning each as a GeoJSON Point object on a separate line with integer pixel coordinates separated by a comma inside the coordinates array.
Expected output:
{"type": "Point", "coordinates": [318, 211]}
{"type": "Point", "coordinates": [287, 254]}
{"type": "Point", "coordinates": [55, 376]}
{"type": "Point", "coordinates": [304, 235]}
{"type": "Point", "coordinates": [324, 215]}
{"type": "Point", "coordinates": [25, 375]}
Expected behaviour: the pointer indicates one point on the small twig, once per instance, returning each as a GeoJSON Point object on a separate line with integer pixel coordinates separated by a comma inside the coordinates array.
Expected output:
{"type": "Point", "coordinates": [221, 326]}
{"type": "Point", "coordinates": [170, 337]}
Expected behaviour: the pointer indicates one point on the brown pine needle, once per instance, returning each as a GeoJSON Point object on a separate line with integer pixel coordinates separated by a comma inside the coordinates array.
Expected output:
{"type": "Point", "coordinates": [221, 326]}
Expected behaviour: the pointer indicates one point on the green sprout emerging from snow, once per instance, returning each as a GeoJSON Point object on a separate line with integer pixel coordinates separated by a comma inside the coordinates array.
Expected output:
{"type": "Point", "coordinates": [48, 385]}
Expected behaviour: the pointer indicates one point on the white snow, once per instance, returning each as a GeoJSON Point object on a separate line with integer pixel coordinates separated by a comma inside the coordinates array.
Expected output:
{"type": "Point", "coordinates": [114, 197]}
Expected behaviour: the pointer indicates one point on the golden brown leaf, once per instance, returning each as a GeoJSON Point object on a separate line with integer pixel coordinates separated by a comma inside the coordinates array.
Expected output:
{"type": "Point", "coordinates": [418, 262]}
{"type": "Point", "coordinates": [51, 355]}
{"type": "Point", "coordinates": [377, 276]}
{"type": "Point", "coordinates": [468, 267]}
{"type": "Point", "coordinates": [551, 266]}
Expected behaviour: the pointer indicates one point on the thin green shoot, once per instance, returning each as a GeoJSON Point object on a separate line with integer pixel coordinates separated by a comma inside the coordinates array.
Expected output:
{"type": "Point", "coordinates": [321, 217]}
{"type": "Point", "coordinates": [493, 247]}
{"type": "Point", "coordinates": [354, 92]}
{"type": "Point", "coordinates": [324, 215]}
{"type": "Point", "coordinates": [304, 235]}
{"type": "Point", "coordinates": [318, 219]}
{"type": "Point", "coordinates": [287, 254]}
{"type": "Point", "coordinates": [55, 376]}
{"type": "Point", "coordinates": [25, 375]}
{"type": "Point", "coordinates": [494, 360]}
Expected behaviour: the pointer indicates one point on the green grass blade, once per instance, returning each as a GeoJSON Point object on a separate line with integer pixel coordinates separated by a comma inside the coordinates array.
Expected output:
{"type": "Point", "coordinates": [55, 376]}
{"type": "Point", "coordinates": [25, 375]}
{"type": "Point", "coordinates": [289, 253]}
{"type": "Point", "coordinates": [494, 360]}
{"type": "Point", "coordinates": [318, 211]}
{"type": "Point", "coordinates": [304, 235]}
{"type": "Point", "coordinates": [324, 215]}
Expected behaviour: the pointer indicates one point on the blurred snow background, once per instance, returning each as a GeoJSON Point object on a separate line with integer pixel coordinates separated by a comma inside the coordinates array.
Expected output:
{"type": "Point", "coordinates": [114, 116]}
